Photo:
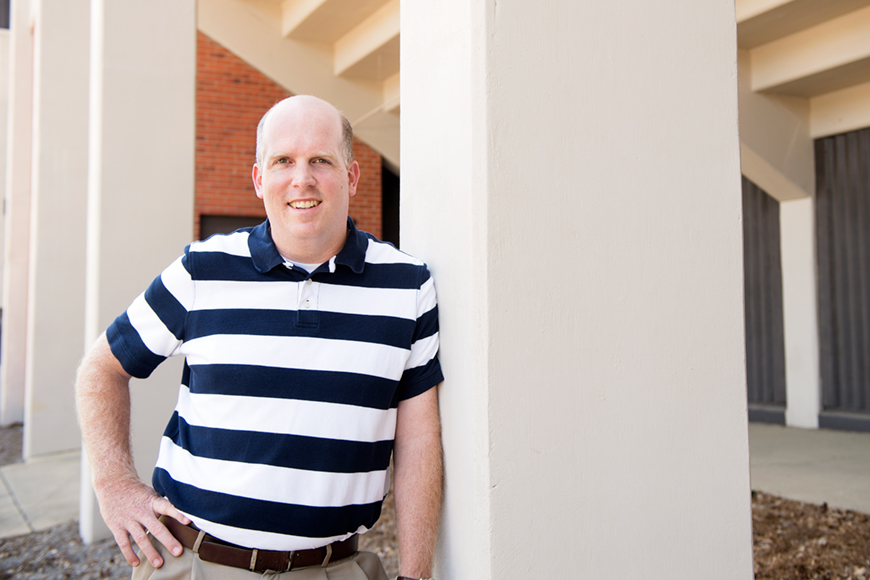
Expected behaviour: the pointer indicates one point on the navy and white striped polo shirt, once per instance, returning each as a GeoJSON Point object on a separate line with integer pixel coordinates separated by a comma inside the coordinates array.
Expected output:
{"type": "Point", "coordinates": [282, 435]}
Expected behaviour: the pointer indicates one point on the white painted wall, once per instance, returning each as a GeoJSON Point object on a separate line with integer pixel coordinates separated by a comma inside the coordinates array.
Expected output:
{"type": "Point", "coordinates": [4, 105]}
{"type": "Point", "coordinates": [56, 281]}
{"type": "Point", "coordinates": [576, 192]}
{"type": "Point", "coordinates": [800, 312]}
{"type": "Point", "coordinates": [17, 215]}
{"type": "Point", "coordinates": [140, 185]}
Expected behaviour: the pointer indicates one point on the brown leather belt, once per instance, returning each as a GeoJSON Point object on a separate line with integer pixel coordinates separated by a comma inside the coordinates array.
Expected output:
{"type": "Point", "coordinates": [217, 551]}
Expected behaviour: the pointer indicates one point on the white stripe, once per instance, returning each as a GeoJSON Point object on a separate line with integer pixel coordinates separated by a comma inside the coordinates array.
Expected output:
{"type": "Point", "coordinates": [217, 294]}
{"type": "Point", "coordinates": [154, 334]}
{"type": "Point", "coordinates": [426, 299]}
{"type": "Point", "coordinates": [269, 483]}
{"type": "Point", "coordinates": [298, 352]}
{"type": "Point", "coordinates": [383, 253]}
{"type": "Point", "coordinates": [221, 294]}
{"type": "Point", "coordinates": [422, 351]}
{"type": "Point", "coordinates": [264, 540]}
{"type": "Point", "coordinates": [287, 417]}
{"type": "Point", "coordinates": [235, 244]}
{"type": "Point", "coordinates": [396, 302]}
{"type": "Point", "coordinates": [177, 281]}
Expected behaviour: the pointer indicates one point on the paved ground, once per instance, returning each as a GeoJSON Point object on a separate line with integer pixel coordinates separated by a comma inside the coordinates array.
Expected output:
{"type": "Point", "coordinates": [811, 465]}
{"type": "Point", "coordinates": [808, 465]}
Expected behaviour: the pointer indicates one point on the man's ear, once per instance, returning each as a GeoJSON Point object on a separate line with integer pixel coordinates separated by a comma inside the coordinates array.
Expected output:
{"type": "Point", "coordinates": [257, 177]}
{"type": "Point", "coordinates": [352, 178]}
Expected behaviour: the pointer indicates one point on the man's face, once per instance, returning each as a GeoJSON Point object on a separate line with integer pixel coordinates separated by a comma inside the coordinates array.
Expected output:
{"type": "Point", "coordinates": [304, 180]}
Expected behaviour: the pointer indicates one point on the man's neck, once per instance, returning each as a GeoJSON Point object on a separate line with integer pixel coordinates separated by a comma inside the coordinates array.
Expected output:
{"type": "Point", "coordinates": [309, 251]}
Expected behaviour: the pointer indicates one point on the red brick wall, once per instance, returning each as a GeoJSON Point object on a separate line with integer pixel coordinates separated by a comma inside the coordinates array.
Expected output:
{"type": "Point", "coordinates": [231, 96]}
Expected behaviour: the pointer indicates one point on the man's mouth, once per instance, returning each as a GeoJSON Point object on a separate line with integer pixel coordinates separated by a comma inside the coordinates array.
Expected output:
{"type": "Point", "coordinates": [305, 204]}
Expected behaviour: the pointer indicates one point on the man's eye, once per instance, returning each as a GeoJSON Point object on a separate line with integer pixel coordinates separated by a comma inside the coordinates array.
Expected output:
{"type": "Point", "coordinates": [321, 160]}
{"type": "Point", "coordinates": [282, 161]}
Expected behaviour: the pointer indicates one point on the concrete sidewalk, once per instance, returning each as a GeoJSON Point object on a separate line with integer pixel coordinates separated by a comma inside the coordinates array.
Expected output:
{"type": "Point", "coordinates": [804, 464]}
{"type": "Point", "coordinates": [811, 465]}
{"type": "Point", "coordinates": [39, 494]}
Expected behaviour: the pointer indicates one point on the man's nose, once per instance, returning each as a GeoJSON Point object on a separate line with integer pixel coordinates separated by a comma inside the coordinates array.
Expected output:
{"type": "Point", "coordinates": [303, 176]}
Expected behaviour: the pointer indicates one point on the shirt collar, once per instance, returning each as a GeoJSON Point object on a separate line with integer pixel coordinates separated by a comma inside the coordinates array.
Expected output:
{"type": "Point", "coordinates": [265, 254]}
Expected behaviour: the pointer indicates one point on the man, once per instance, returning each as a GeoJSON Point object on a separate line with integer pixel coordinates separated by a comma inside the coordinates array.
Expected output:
{"type": "Point", "coordinates": [310, 356]}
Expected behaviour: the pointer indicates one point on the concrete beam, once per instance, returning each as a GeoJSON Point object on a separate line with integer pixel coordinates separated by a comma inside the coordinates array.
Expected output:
{"type": "Point", "coordinates": [827, 57]}
{"type": "Point", "coordinates": [324, 20]}
{"type": "Point", "coordinates": [371, 49]}
{"type": "Point", "coordinates": [840, 111]}
{"type": "Point", "coordinates": [763, 21]}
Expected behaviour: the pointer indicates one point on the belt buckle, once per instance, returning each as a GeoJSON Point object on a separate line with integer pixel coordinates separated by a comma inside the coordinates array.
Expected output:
{"type": "Point", "coordinates": [290, 556]}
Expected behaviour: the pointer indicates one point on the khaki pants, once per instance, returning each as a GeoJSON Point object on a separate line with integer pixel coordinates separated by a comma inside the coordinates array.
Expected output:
{"type": "Point", "coordinates": [188, 566]}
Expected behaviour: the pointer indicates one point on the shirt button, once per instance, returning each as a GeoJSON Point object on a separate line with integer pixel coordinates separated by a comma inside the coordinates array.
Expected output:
{"type": "Point", "coordinates": [307, 304]}
{"type": "Point", "coordinates": [308, 281]}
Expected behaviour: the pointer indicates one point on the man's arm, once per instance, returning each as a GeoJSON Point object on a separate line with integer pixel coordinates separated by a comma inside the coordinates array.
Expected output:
{"type": "Point", "coordinates": [129, 506]}
{"type": "Point", "coordinates": [417, 482]}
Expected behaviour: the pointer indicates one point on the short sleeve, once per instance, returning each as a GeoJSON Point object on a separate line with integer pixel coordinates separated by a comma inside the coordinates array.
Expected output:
{"type": "Point", "coordinates": [423, 370]}
{"type": "Point", "coordinates": [152, 328]}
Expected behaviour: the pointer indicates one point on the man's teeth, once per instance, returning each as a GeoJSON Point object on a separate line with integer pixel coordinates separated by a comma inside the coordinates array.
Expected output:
{"type": "Point", "coordinates": [304, 204]}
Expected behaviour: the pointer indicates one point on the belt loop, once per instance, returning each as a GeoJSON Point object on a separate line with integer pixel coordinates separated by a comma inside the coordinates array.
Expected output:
{"type": "Point", "coordinates": [253, 559]}
{"type": "Point", "coordinates": [328, 556]}
{"type": "Point", "coordinates": [290, 556]}
{"type": "Point", "coordinates": [198, 542]}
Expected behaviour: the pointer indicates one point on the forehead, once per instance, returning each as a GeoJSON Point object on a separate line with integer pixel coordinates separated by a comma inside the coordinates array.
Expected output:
{"type": "Point", "coordinates": [307, 126]}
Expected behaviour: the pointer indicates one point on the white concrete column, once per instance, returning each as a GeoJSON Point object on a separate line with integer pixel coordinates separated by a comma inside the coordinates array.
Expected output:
{"type": "Point", "coordinates": [140, 185]}
{"type": "Point", "coordinates": [56, 274]}
{"type": "Point", "coordinates": [800, 313]}
{"type": "Point", "coordinates": [575, 188]}
{"type": "Point", "coordinates": [16, 215]}
{"type": "Point", "coordinates": [4, 106]}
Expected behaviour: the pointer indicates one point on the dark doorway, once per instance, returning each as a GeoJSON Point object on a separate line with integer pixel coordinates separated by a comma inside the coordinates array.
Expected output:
{"type": "Point", "coordinates": [389, 206]}
{"type": "Point", "coordinates": [843, 243]}
{"type": "Point", "coordinates": [762, 280]}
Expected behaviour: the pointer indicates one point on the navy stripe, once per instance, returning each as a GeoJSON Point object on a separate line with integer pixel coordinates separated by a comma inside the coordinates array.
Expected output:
{"type": "Point", "coordinates": [227, 267]}
{"type": "Point", "coordinates": [291, 451]}
{"type": "Point", "coordinates": [396, 276]}
{"type": "Point", "coordinates": [266, 516]}
{"type": "Point", "coordinates": [166, 307]}
{"type": "Point", "coordinates": [305, 385]}
{"type": "Point", "coordinates": [420, 379]}
{"type": "Point", "coordinates": [129, 349]}
{"type": "Point", "coordinates": [386, 330]}
{"type": "Point", "coordinates": [427, 325]}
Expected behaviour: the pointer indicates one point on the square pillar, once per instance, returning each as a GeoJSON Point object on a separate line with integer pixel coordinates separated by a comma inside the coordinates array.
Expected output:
{"type": "Point", "coordinates": [140, 186]}
{"type": "Point", "coordinates": [574, 186]}
{"type": "Point", "coordinates": [16, 235]}
{"type": "Point", "coordinates": [800, 313]}
{"type": "Point", "coordinates": [56, 273]}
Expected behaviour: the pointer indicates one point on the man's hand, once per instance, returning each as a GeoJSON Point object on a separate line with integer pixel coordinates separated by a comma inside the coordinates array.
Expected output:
{"type": "Point", "coordinates": [130, 509]}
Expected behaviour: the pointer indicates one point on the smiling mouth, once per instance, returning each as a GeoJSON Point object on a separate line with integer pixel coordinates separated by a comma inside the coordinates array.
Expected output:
{"type": "Point", "coordinates": [306, 204]}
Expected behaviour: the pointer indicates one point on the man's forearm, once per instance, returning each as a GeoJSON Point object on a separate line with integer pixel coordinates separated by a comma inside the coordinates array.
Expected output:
{"type": "Point", "coordinates": [103, 406]}
{"type": "Point", "coordinates": [129, 507]}
{"type": "Point", "coordinates": [418, 484]}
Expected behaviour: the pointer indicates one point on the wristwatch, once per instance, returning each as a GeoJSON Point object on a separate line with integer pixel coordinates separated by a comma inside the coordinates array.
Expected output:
{"type": "Point", "coordinates": [409, 578]}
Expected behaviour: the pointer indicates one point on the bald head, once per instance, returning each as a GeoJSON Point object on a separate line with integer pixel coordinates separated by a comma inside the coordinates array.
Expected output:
{"type": "Point", "coordinates": [318, 110]}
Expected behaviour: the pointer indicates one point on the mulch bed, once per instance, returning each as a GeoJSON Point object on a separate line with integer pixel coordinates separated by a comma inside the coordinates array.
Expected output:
{"type": "Point", "coordinates": [791, 541]}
